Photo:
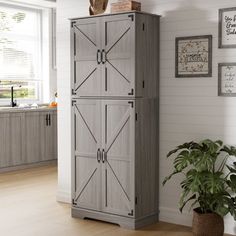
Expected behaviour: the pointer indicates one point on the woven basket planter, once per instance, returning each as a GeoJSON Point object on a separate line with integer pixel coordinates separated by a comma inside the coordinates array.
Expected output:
{"type": "Point", "coordinates": [209, 224]}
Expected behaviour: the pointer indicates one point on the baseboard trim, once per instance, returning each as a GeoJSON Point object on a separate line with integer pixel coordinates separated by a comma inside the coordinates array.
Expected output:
{"type": "Point", "coordinates": [27, 166]}
{"type": "Point", "coordinates": [124, 222]}
{"type": "Point", "coordinates": [63, 196]}
{"type": "Point", "coordinates": [175, 217]}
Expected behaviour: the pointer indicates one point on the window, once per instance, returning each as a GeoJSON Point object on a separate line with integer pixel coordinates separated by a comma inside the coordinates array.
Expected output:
{"type": "Point", "coordinates": [20, 53]}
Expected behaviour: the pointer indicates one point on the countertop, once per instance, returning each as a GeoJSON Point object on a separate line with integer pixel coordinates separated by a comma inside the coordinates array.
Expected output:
{"type": "Point", "coordinates": [17, 109]}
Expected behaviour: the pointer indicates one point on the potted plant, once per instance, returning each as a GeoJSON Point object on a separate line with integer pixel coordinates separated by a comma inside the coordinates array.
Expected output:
{"type": "Point", "coordinates": [209, 183]}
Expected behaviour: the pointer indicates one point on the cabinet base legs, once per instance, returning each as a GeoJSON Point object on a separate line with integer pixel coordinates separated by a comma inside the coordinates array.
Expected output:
{"type": "Point", "coordinates": [124, 222]}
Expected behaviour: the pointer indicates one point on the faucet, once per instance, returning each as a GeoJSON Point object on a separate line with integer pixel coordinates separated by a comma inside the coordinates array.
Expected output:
{"type": "Point", "coordinates": [13, 104]}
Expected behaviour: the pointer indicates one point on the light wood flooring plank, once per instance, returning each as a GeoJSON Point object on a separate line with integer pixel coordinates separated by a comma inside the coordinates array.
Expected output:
{"type": "Point", "coordinates": [28, 207]}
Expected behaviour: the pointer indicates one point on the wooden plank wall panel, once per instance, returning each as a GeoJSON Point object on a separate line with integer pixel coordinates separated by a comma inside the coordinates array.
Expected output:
{"type": "Point", "coordinates": [183, 102]}
{"type": "Point", "coordinates": [189, 108]}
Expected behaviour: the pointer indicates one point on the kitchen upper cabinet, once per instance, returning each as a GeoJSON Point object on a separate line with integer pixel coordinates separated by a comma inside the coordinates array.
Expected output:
{"type": "Point", "coordinates": [27, 137]}
{"type": "Point", "coordinates": [104, 57]}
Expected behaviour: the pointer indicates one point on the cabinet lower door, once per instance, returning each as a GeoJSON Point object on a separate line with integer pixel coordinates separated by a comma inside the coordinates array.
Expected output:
{"type": "Point", "coordinates": [118, 122]}
{"type": "Point", "coordinates": [86, 168]}
{"type": "Point", "coordinates": [12, 137]}
{"type": "Point", "coordinates": [35, 123]}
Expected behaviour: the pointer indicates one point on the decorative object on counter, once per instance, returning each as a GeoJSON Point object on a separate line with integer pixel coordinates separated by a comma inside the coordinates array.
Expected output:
{"type": "Point", "coordinates": [193, 56]}
{"type": "Point", "coordinates": [209, 171]}
{"type": "Point", "coordinates": [227, 28]}
{"type": "Point", "coordinates": [125, 5]}
{"type": "Point", "coordinates": [24, 105]}
{"type": "Point", "coordinates": [53, 104]}
{"type": "Point", "coordinates": [34, 105]}
{"type": "Point", "coordinates": [227, 79]}
{"type": "Point", "coordinates": [97, 6]}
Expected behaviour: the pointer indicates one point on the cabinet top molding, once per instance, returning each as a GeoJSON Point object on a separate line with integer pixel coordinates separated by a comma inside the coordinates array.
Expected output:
{"type": "Point", "coordinates": [112, 14]}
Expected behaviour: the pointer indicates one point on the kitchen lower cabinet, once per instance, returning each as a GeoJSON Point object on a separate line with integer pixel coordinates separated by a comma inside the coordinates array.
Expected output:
{"type": "Point", "coordinates": [11, 141]}
{"type": "Point", "coordinates": [104, 155]}
{"type": "Point", "coordinates": [114, 162]}
{"type": "Point", "coordinates": [48, 123]}
{"type": "Point", "coordinates": [27, 137]}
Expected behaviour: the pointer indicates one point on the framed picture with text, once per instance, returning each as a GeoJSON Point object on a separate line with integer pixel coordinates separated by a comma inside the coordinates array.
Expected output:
{"type": "Point", "coordinates": [227, 79]}
{"type": "Point", "coordinates": [227, 28]}
{"type": "Point", "coordinates": [193, 56]}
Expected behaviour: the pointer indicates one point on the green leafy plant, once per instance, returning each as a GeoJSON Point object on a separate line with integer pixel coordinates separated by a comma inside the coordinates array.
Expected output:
{"type": "Point", "coordinates": [209, 182]}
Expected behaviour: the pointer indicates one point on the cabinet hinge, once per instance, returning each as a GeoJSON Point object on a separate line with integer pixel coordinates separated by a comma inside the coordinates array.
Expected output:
{"type": "Point", "coordinates": [143, 27]}
{"type": "Point", "coordinates": [132, 17]}
{"type": "Point", "coordinates": [136, 116]}
{"type": "Point", "coordinates": [136, 200]}
{"type": "Point", "coordinates": [132, 92]}
{"type": "Point", "coordinates": [73, 23]}
{"type": "Point", "coordinates": [131, 103]}
{"type": "Point", "coordinates": [73, 92]}
{"type": "Point", "coordinates": [143, 84]}
{"type": "Point", "coordinates": [73, 102]}
{"type": "Point", "coordinates": [131, 213]}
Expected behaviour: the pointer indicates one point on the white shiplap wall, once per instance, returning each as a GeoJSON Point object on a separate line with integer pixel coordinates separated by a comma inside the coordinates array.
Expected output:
{"type": "Point", "coordinates": [189, 108]}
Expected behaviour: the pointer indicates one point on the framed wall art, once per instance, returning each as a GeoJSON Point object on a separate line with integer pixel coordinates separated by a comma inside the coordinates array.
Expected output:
{"type": "Point", "coordinates": [227, 79]}
{"type": "Point", "coordinates": [227, 28]}
{"type": "Point", "coordinates": [193, 56]}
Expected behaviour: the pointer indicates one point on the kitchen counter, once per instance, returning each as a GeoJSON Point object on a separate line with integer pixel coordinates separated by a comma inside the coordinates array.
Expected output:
{"type": "Point", "coordinates": [19, 109]}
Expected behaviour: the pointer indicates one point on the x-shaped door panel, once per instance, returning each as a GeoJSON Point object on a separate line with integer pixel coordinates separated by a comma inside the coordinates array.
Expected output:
{"type": "Point", "coordinates": [87, 72]}
{"type": "Point", "coordinates": [86, 143]}
{"type": "Point", "coordinates": [118, 140]}
{"type": "Point", "coordinates": [118, 71]}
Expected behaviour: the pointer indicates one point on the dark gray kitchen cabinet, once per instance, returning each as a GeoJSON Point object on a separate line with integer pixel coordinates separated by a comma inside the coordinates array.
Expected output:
{"type": "Point", "coordinates": [115, 74]}
{"type": "Point", "coordinates": [27, 137]}
{"type": "Point", "coordinates": [11, 141]}
{"type": "Point", "coordinates": [40, 136]}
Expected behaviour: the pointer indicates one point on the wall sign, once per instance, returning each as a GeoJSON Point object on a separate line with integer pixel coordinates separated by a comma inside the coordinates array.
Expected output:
{"type": "Point", "coordinates": [227, 28]}
{"type": "Point", "coordinates": [193, 56]}
{"type": "Point", "coordinates": [227, 79]}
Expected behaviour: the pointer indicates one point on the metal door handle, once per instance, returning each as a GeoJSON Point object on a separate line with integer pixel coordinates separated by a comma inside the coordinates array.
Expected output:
{"type": "Point", "coordinates": [103, 156]}
{"type": "Point", "coordinates": [47, 120]}
{"type": "Point", "coordinates": [98, 57]}
{"type": "Point", "coordinates": [104, 56]}
{"type": "Point", "coordinates": [98, 155]}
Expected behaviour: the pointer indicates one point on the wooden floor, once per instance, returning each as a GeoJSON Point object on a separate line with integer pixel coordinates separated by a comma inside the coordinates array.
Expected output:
{"type": "Point", "coordinates": [28, 207]}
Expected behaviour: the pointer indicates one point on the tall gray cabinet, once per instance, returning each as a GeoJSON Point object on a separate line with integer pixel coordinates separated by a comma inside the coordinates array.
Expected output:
{"type": "Point", "coordinates": [115, 74]}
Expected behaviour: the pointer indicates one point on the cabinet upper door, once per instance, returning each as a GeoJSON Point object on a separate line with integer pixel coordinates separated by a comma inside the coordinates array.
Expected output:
{"type": "Point", "coordinates": [86, 143]}
{"type": "Point", "coordinates": [118, 122]}
{"type": "Point", "coordinates": [118, 42]}
{"type": "Point", "coordinates": [86, 45]}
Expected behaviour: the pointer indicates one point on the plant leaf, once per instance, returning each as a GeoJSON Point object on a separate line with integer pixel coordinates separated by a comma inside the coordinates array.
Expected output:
{"type": "Point", "coordinates": [169, 177]}
{"type": "Point", "coordinates": [185, 202]}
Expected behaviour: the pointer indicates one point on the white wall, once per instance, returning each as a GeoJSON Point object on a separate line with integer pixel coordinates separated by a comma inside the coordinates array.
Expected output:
{"type": "Point", "coordinates": [189, 108]}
